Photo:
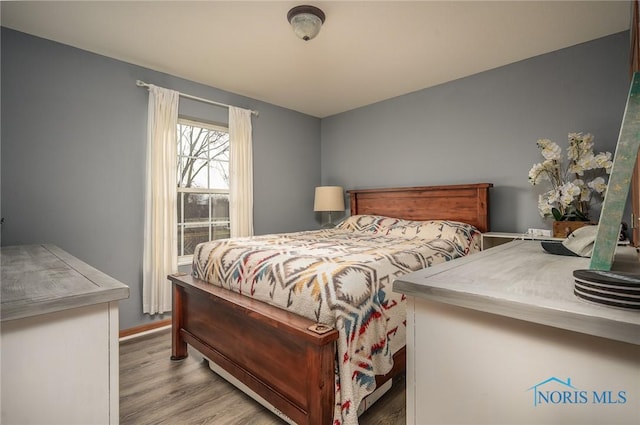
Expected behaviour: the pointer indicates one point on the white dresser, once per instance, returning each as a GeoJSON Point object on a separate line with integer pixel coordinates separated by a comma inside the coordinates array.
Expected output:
{"type": "Point", "coordinates": [499, 337]}
{"type": "Point", "coordinates": [59, 339]}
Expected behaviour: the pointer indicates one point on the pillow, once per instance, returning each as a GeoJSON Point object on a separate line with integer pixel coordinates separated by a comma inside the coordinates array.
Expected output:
{"type": "Point", "coordinates": [430, 229]}
{"type": "Point", "coordinates": [462, 235]}
{"type": "Point", "coordinates": [368, 223]}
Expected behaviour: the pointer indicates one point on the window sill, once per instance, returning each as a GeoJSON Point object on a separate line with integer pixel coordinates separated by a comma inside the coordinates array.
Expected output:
{"type": "Point", "coordinates": [185, 260]}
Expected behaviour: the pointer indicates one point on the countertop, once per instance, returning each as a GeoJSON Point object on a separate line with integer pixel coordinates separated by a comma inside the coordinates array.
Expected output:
{"type": "Point", "coordinates": [39, 279]}
{"type": "Point", "coordinates": [522, 281]}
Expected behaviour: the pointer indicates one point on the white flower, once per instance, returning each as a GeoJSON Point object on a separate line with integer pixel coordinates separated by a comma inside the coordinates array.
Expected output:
{"type": "Point", "coordinates": [543, 206]}
{"type": "Point", "coordinates": [553, 196]}
{"type": "Point", "coordinates": [579, 145]}
{"type": "Point", "coordinates": [585, 194]}
{"type": "Point", "coordinates": [598, 184]}
{"type": "Point", "coordinates": [566, 199]}
{"type": "Point", "coordinates": [573, 151]}
{"type": "Point", "coordinates": [587, 142]}
{"type": "Point", "coordinates": [577, 168]}
{"type": "Point", "coordinates": [536, 174]}
{"type": "Point", "coordinates": [550, 150]}
{"type": "Point", "coordinates": [585, 191]}
{"type": "Point", "coordinates": [569, 192]}
{"type": "Point", "coordinates": [603, 160]}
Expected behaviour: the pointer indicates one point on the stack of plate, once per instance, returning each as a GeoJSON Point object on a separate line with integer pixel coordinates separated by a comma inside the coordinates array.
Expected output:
{"type": "Point", "coordinates": [618, 289]}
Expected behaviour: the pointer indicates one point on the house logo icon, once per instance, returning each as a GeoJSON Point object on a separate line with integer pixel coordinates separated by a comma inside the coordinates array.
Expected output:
{"type": "Point", "coordinates": [556, 391]}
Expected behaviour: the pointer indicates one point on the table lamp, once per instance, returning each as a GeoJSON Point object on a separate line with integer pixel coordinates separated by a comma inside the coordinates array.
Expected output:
{"type": "Point", "coordinates": [329, 198]}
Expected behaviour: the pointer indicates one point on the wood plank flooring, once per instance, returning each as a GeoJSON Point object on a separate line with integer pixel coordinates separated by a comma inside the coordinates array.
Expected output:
{"type": "Point", "coordinates": [154, 390]}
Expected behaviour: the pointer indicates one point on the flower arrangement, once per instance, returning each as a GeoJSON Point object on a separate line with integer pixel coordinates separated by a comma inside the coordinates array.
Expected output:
{"type": "Point", "coordinates": [576, 183]}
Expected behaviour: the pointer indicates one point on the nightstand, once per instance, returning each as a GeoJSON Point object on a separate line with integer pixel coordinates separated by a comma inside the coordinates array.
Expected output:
{"type": "Point", "coordinates": [491, 239]}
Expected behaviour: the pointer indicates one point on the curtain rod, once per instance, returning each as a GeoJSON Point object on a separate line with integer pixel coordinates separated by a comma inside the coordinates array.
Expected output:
{"type": "Point", "coordinates": [140, 83]}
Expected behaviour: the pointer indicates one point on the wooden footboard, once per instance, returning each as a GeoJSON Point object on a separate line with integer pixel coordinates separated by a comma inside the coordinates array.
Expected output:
{"type": "Point", "coordinates": [268, 349]}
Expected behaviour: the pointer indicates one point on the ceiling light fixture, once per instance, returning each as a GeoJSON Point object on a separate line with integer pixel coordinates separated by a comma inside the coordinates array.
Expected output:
{"type": "Point", "coordinates": [306, 21]}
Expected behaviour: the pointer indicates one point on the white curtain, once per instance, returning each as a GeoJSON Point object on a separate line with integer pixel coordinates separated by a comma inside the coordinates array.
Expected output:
{"type": "Point", "coordinates": [241, 172]}
{"type": "Point", "coordinates": [160, 256]}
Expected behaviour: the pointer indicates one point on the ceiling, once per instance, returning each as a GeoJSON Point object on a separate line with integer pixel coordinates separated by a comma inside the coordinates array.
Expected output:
{"type": "Point", "coordinates": [367, 51]}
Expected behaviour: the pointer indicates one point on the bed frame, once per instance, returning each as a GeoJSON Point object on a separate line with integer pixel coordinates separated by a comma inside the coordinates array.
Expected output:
{"type": "Point", "coordinates": [276, 354]}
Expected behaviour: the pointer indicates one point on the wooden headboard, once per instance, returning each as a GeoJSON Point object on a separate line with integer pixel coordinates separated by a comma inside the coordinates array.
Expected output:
{"type": "Point", "coordinates": [468, 203]}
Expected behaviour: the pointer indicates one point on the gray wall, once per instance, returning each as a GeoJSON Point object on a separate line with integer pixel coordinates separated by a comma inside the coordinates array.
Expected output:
{"type": "Point", "coordinates": [73, 155]}
{"type": "Point", "coordinates": [484, 128]}
{"type": "Point", "coordinates": [74, 124]}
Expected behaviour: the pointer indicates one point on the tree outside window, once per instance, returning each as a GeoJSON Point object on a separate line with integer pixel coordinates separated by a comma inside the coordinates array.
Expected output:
{"type": "Point", "coordinates": [203, 185]}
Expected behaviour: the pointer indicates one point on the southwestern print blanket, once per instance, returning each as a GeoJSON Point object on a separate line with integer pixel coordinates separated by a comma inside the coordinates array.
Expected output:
{"type": "Point", "coordinates": [341, 277]}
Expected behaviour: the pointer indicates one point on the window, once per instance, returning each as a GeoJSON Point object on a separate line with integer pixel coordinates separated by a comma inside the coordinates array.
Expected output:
{"type": "Point", "coordinates": [203, 185]}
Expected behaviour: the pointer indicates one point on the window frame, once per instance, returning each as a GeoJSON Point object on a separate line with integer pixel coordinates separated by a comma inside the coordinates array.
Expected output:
{"type": "Point", "coordinates": [182, 192]}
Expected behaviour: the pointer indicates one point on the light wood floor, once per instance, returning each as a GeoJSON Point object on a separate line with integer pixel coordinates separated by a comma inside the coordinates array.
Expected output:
{"type": "Point", "coordinates": [154, 390]}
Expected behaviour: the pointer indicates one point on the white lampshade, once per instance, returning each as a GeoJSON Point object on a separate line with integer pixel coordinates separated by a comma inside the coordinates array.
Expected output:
{"type": "Point", "coordinates": [329, 198]}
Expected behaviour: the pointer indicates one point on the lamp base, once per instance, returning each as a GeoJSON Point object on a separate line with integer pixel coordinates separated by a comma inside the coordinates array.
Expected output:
{"type": "Point", "coordinates": [330, 224]}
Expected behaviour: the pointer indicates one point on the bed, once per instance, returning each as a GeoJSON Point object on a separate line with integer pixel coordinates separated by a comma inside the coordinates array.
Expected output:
{"type": "Point", "coordinates": [296, 363]}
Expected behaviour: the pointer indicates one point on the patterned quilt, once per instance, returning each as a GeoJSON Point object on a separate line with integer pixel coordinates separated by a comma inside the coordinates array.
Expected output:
{"type": "Point", "coordinates": [341, 277]}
